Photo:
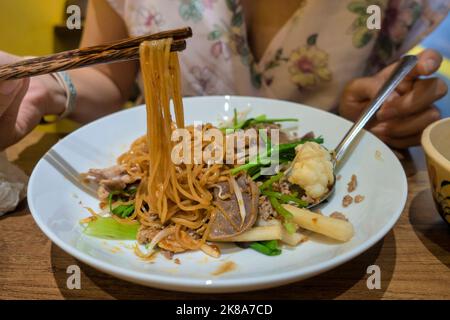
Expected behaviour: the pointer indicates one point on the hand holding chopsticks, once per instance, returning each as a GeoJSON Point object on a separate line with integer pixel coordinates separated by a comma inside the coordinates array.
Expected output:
{"type": "Point", "coordinates": [124, 50]}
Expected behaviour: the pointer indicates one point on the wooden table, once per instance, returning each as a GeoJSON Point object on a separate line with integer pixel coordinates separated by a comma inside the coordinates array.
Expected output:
{"type": "Point", "coordinates": [414, 257]}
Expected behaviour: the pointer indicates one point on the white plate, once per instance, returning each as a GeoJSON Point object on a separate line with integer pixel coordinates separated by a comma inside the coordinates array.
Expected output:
{"type": "Point", "coordinates": [55, 202]}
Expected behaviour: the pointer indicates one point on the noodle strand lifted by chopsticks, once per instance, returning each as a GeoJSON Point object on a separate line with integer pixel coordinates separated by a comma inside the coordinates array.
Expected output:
{"type": "Point", "coordinates": [169, 195]}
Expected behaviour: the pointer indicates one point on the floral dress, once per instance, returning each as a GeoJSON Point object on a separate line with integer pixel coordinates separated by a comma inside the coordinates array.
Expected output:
{"type": "Point", "coordinates": [316, 52]}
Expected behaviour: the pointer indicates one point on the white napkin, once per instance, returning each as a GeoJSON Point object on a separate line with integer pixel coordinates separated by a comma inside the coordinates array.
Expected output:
{"type": "Point", "coordinates": [13, 185]}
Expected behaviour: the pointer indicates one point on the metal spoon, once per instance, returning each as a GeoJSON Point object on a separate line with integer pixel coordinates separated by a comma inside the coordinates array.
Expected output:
{"type": "Point", "coordinates": [406, 64]}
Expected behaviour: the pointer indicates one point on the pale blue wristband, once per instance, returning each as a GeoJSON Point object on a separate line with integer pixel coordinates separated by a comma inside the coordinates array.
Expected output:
{"type": "Point", "coordinates": [65, 81]}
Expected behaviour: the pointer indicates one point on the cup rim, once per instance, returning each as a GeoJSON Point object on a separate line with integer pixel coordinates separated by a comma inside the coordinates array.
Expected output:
{"type": "Point", "coordinates": [429, 148]}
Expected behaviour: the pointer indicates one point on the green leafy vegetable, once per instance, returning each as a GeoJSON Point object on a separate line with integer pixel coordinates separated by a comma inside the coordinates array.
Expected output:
{"type": "Point", "coordinates": [285, 198]}
{"type": "Point", "coordinates": [286, 153]}
{"type": "Point", "coordinates": [256, 175]}
{"type": "Point", "coordinates": [288, 224]}
{"type": "Point", "coordinates": [278, 208]}
{"type": "Point", "coordinates": [122, 211]}
{"type": "Point", "coordinates": [265, 139]}
{"type": "Point", "coordinates": [263, 120]}
{"type": "Point", "coordinates": [248, 166]}
{"type": "Point", "coordinates": [269, 248]}
{"type": "Point", "coordinates": [131, 190]}
{"type": "Point", "coordinates": [268, 183]}
{"type": "Point", "coordinates": [244, 124]}
{"type": "Point", "coordinates": [290, 227]}
{"type": "Point", "coordinates": [110, 199]}
{"type": "Point", "coordinates": [111, 229]}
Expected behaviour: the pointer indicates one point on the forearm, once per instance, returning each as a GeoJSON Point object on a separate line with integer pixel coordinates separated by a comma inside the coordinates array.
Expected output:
{"type": "Point", "coordinates": [97, 95]}
{"type": "Point", "coordinates": [100, 89]}
{"type": "Point", "coordinates": [104, 88]}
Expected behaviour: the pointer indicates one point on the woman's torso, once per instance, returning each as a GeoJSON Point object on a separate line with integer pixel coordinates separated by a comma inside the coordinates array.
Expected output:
{"type": "Point", "coordinates": [308, 52]}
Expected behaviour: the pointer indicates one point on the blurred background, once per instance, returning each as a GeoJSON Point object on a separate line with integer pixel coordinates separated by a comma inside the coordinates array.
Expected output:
{"type": "Point", "coordinates": [30, 27]}
{"type": "Point", "coordinates": [440, 40]}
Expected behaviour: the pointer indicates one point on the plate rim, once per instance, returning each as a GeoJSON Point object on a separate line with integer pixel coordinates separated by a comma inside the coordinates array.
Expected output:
{"type": "Point", "coordinates": [247, 283]}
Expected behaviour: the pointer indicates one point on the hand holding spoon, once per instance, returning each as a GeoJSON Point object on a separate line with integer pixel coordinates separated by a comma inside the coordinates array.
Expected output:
{"type": "Point", "coordinates": [405, 65]}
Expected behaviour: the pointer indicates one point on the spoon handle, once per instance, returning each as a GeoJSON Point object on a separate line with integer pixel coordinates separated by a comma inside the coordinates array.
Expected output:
{"type": "Point", "coordinates": [406, 64]}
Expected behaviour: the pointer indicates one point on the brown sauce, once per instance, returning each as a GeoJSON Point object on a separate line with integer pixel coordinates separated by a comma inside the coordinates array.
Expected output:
{"type": "Point", "coordinates": [224, 267]}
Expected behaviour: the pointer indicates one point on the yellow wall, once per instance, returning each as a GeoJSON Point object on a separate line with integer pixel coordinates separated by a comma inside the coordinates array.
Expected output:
{"type": "Point", "coordinates": [26, 26]}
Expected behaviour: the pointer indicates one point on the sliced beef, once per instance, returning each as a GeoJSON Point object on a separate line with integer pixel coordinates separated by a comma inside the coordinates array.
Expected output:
{"type": "Point", "coordinates": [309, 135]}
{"type": "Point", "coordinates": [282, 135]}
{"type": "Point", "coordinates": [109, 179]}
{"type": "Point", "coordinates": [228, 222]}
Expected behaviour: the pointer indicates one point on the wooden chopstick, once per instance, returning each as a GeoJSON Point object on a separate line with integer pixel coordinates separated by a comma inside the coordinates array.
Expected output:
{"type": "Point", "coordinates": [123, 50]}
{"type": "Point", "coordinates": [39, 67]}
